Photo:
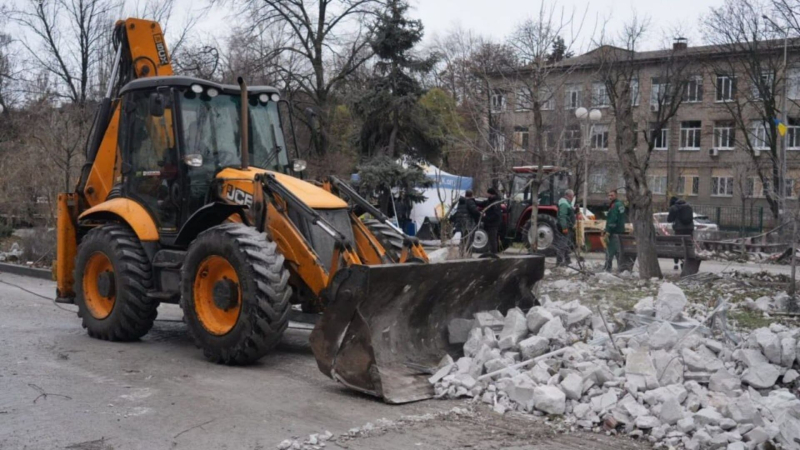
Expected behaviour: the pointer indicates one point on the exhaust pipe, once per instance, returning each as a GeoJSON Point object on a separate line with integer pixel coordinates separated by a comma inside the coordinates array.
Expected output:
{"type": "Point", "coordinates": [243, 124]}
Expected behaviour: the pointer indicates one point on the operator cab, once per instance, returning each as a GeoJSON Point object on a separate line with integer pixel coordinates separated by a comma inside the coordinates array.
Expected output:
{"type": "Point", "coordinates": [177, 133]}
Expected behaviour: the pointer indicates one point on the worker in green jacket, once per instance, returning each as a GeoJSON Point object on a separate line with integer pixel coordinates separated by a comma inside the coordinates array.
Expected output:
{"type": "Point", "coordinates": [615, 225]}
{"type": "Point", "coordinates": [566, 229]}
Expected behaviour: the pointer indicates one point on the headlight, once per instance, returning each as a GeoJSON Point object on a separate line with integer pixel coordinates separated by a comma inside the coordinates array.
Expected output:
{"type": "Point", "coordinates": [212, 92]}
{"type": "Point", "coordinates": [263, 98]}
{"type": "Point", "coordinates": [193, 160]}
{"type": "Point", "coordinates": [275, 97]}
{"type": "Point", "coordinates": [197, 89]}
{"type": "Point", "coordinates": [299, 165]}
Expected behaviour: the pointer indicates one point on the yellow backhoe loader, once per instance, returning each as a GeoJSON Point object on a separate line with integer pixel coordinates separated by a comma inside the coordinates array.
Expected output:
{"type": "Point", "coordinates": [189, 196]}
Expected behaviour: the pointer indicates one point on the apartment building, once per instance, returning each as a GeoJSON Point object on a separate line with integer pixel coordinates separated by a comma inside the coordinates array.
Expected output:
{"type": "Point", "coordinates": [702, 154]}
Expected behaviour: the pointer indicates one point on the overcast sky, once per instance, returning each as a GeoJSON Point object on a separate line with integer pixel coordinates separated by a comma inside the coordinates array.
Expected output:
{"type": "Point", "coordinates": [496, 18]}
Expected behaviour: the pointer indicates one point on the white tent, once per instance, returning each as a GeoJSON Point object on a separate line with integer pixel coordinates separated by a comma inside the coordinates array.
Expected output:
{"type": "Point", "coordinates": [445, 191]}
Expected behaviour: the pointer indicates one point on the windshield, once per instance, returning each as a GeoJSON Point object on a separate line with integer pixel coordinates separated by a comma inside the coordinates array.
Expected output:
{"type": "Point", "coordinates": [703, 220]}
{"type": "Point", "coordinates": [518, 188]}
{"type": "Point", "coordinates": [211, 129]}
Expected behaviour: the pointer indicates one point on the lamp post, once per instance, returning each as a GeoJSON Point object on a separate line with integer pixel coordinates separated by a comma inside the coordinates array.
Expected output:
{"type": "Point", "coordinates": [784, 119]}
{"type": "Point", "coordinates": [587, 118]}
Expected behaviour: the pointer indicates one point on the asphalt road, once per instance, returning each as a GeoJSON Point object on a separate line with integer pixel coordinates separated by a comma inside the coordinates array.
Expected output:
{"type": "Point", "coordinates": [61, 389]}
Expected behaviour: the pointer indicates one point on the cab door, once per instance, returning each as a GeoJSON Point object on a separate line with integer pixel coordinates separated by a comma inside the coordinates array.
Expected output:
{"type": "Point", "coordinates": [150, 154]}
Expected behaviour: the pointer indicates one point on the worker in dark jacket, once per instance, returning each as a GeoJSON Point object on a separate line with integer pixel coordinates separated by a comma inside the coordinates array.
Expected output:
{"type": "Point", "coordinates": [681, 216]}
{"type": "Point", "coordinates": [615, 225]}
{"type": "Point", "coordinates": [467, 214]}
{"type": "Point", "coordinates": [492, 217]}
{"type": "Point", "coordinates": [566, 229]}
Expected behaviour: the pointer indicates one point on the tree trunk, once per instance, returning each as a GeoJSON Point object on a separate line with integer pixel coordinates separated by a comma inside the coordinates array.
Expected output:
{"type": "Point", "coordinates": [642, 209]}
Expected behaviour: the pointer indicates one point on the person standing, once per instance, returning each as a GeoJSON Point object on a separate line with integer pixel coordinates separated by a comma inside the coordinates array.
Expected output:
{"type": "Point", "coordinates": [467, 216]}
{"type": "Point", "coordinates": [615, 225]}
{"type": "Point", "coordinates": [492, 218]}
{"type": "Point", "coordinates": [681, 216]}
{"type": "Point", "coordinates": [566, 225]}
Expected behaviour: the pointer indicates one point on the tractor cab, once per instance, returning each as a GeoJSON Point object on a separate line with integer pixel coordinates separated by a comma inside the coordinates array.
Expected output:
{"type": "Point", "coordinates": [555, 183]}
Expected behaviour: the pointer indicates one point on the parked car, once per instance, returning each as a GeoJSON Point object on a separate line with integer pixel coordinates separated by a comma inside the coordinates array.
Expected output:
{"type": "Point", "coordinates": [702, 225]}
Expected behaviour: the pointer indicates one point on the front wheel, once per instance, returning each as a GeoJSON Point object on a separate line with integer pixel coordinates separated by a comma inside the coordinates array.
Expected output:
{"type": "Point", "coordinates": [235, 293]}
{"type": "Point", "coordinates": [546, 227]}
{"type": "Point", "coordinates": [480, 241]}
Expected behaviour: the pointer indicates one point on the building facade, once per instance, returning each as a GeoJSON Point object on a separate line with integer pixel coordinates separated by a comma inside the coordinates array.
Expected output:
{"type": "Point", "coordinates": [710, 152]}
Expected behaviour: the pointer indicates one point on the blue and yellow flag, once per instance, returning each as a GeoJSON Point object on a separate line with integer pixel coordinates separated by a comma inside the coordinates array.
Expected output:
{"type": "Point", "coordinates": [781, 126]}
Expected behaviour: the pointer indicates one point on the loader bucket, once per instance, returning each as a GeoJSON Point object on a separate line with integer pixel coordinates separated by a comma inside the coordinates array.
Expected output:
{"type": "Point", "coordinates": [384, 329]}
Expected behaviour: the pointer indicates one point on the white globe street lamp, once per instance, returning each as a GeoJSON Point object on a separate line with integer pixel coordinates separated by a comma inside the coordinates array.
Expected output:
{"type": "Point", "coordinates": [582, 113]}
{"type": "Point", "coordinates": [587, 117]}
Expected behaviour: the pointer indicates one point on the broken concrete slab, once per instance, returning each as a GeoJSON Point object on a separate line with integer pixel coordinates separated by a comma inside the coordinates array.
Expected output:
{"type": "Point", "coordinates": [670, 302]}
{"type": "Point", "coordinates": [645, 307]}
{"type": "Point", "coordinates": [724, 381]}
{"type": "Point", "coordinates": [492, 319]}
{"type": "Point", "coordinates": [549, 399]}
{"type": "Point", "coordinates": [458, 330]}
{"type": "Point", "coordinates": [769, 343]}
{"type": "Point", "coordinates": [572, 386]}
{"type": "Point", "coordinates": [762, 376]}
{"type": "Point", "coordinates": [537, 317]}
{"type": "Point", "coordinates": [664, 337]}
{"type": "Point", "coordinates": [534, 346]}
{"type": "Point", "coordinates": [514, 328]}
{"type": "Point", "coordinates": [554, 330]}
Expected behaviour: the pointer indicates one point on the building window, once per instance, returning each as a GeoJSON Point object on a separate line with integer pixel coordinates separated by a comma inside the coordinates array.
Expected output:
{"type": "Point", "coordinates": [523, 99]}
{"type": "Point", "coordinates": [597, 182]}
{"type": "Point", "coordinates": [690, 135]}
{"type": "Point", "coordinates": [600, 137]}
{"type": "Point", "coordinates": [793, 78]}
{"type": "Point", "coordinates": [658, 184]}
{"type": "Point", "coordinates": [547, 99]}
{"type": "Point", "coordinates": [793, 134]}
{"type": "Point", "coordinates": [635, 92]}
{"type": "Point", "coordinates": [726, 88]}
{"type": "Point", "coordinates": [498, 101]}
{"type": "Point", "coordinates": [750, 188]}
{"type": "Point", "coordinates": [660, 139]}
{"type": "Point", "coordinates": [658, 93]}
{"type": "Point", "coordinates": [572, 98]}
{"type": "Point", "coordinates": [521, 138]}
{"type": "Point", "coordinates": [690, 183]}
{"type": "Point", "coordinates": [758, 131]}
{"type": "Point", "coordinates": [765, 85]}
{"type": "Point", "coordinates": [721, 186]}
{"type": "Point", "coordinates": [572, 138]}
{"type": "Point", "coordinates": [600, 95]}
{"type": "Point", "coordinates": [724, 135]}
{"type": "Point", "coordinates": [693, 93]}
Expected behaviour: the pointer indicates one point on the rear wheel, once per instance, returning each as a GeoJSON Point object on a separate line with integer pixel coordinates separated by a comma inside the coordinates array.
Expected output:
{"type": "Point", "coordinates": [480, 241]}
{"type": "Point", "coordinates": [112, 278]}
{"type": "Point", "coordinates": [389, 238]}
{"type": "Point", "coordinates": [546, 227]}
{"type": "Point", "coordinates": [235, 293]}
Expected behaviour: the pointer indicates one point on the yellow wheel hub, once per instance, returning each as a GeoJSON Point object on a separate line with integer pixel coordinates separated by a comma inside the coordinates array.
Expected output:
{"type": "Point", "coordinates": [217, 295]}
{"type": "Point", "coordinates": [98, 285]}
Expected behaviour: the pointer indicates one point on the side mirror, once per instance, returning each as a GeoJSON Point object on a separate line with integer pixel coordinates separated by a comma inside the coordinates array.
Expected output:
{"type": "Point", "coordinates": [156, 104]}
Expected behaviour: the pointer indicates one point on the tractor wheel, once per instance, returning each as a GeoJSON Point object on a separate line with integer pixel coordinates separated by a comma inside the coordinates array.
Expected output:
{"type": "Point", "coordinates": [391, 240]}
{"type": "Point", "coordinates": [112, 278]}
{"type": "Point", "coordinates": [235, 293]}
{"type": "Point", "coordinates": [480, 241]}
{"type": "Point", "coordinates": [546, 233]}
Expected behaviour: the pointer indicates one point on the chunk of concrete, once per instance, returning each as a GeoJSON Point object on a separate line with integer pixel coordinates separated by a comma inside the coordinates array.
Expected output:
{"type": "Point", "coordinates": [647, 422]}
{"type": "Point", "coordinates": [605, 402]}
{"type": "Point", "coordinates": [686, 424]}
{"type": "Point", "coordinates": [537, 317]}
{"type": "Point", "coordinates": [474, 342]}
{"type": "Point", "coordinates": [742, 410]}
{"type": "Point", "coordinates": [670, 302]}
{"type": "Point", "coordinates": [724, 381]}
{"type": "Point", "coordinates": [769, 343]}
{"type": "Point", "coordinates": [788, 352]}
{"type": "Point", "coordinates": [549, 399]}
{"type": "Point", "coordinates": [671, 411]}
{"type": "Point", "coordinates": [669, 368]}
{"type": "Point", "coordinates": [578, 315]}
{"type": "Point", "coordinates": [514, 329]}
{"type": "Point", "coordinates": [572, 386]}
{"type": "Point", "coordinates": [756, 436]}
{"type": "Point", "coordinates": [645, 307]}
{"type": "Point", "coordinates": [492, 319]}
{"type": "Point", "coordinates": [707, 416]}
{"type": "Point", "coordinates": [554, 330]}
{"type": "Point", "coordinates": [664, 337]}
{"type": "Point", "coordinates": [761, 377]}
{"type": "Point", "coordinates": [458, 330]}
{"type": "Point", "coordinates": [693, 361]}
{"type": "Point", "coordinates": [790, 376]}
{"type": "Point", "coordinates": [534, 346]}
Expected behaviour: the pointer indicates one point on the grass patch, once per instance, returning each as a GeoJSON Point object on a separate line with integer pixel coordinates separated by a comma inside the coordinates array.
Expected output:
{"type": "Point", "coordinates": [750, 320]}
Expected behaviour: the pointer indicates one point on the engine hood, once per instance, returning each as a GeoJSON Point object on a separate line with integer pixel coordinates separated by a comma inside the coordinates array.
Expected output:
{"type": "Point", "coordinates": [309, 194]}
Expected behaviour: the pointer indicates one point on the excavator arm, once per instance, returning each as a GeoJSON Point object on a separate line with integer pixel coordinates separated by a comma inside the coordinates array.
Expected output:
{"type": "Point", "coordinates": [140, 51]}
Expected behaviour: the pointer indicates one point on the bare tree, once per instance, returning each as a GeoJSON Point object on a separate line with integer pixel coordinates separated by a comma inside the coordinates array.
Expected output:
{"type": "Point", "coordinates": [323, 43]}
{"type": "Point", "coordinates": [748, 78]}
{"type": "Point", "coordinates": [620, 71]}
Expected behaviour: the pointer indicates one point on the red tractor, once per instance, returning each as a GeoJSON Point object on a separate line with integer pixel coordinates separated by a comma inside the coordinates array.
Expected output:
{"type": "Point", "coordinates": [519, 207]}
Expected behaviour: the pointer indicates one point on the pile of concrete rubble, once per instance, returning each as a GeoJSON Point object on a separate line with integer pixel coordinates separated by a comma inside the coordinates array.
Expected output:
{"type": "Point", "coordinates": [678, 381]}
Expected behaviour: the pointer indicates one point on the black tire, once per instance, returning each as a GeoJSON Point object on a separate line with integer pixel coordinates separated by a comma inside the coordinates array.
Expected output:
{"type": "Point", "coordinates": [115, 192]}
{"type": "Point", "coordinates": [391, 240]}
{"type": "Point", "coordinates": [265, 293]}
{"type": "Point", "coordinates": [133, 313]}
{"type": "Point", "coordinates": [542, 220]}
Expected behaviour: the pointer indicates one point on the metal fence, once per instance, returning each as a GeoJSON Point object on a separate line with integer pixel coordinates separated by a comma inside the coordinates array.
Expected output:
{"type": "Point", "coordinates": [747, 220]}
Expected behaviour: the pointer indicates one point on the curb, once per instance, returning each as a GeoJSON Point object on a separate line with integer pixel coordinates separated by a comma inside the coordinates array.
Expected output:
{"type": "Point", "coordinates": [43, 274]}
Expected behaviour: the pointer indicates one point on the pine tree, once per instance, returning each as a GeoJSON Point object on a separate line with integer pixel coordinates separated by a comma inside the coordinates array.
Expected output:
{"type": "Point", "coordinates": [390, 109]}
{"type": "Point", "coordinates": [559, 51]}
